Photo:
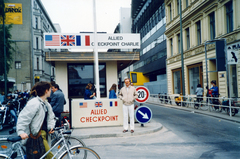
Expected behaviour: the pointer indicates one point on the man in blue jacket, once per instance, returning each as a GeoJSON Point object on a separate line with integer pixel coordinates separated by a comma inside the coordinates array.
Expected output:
{"type": "Point", "coordinates": [57, 102]}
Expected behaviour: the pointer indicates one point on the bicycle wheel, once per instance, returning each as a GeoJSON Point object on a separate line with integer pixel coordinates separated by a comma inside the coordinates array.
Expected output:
{"type": "Point", "coordinates": [71, 141]}
{"type": "Point", "coordinates": [78, 152]}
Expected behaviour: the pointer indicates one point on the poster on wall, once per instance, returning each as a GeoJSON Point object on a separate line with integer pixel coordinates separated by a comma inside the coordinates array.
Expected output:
{"type": "Point", "coordinates": [13, 13]}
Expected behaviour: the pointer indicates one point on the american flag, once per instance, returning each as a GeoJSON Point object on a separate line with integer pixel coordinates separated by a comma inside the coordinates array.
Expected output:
{"type": "Point", "coordinates": [52, 40]}
{"type": "Point", "coordinates": [83, 104]}
{"type": "Point", "coordinates": [67, 40]}
{"type": "Point", "coordinates": [98, 104]}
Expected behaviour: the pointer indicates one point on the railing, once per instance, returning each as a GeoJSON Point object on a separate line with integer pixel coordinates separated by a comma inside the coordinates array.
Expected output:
{"type": "Point", "coordinates": [229, 105]}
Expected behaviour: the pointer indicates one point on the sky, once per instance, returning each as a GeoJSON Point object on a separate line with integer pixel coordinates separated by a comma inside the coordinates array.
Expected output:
{"type": "Point", "coordinates": [74, 16]}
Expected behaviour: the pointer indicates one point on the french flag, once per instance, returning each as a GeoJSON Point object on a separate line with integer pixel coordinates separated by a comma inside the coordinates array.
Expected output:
{"type": "Point", "coordinates": [82, 40]}
{"type": "Point", "coordinates": [113, 103]}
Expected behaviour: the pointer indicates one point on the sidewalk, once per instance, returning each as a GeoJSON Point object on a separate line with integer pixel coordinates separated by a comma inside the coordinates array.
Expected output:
{"type": "Point", "coordinates": [116, 131]}
{"type": "Point", "coordinates": [220, 115]}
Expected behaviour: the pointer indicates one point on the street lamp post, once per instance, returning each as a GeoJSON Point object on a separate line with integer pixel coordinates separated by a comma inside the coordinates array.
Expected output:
{"type": "Point", "coordinates": [181, 43]}
{"type": "Point", "coordinates": [4, 50]}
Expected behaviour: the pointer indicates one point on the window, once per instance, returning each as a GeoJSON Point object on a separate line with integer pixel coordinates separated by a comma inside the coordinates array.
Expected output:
{"type": "Point", "coordinates": [170, 11]}
{"type": "Point", "coordinates": [37, 43]}
{"type": "Point", "coordinates": [177, 81]}
{"type": "Point", "coordinates": [171, 43]}
{"type": "Point", "coordinates": [160, 14]}
{"type": "Point", "coordinates": [186, 3]}
{"type": "Point", "coordinates": [36, 22]}
{"type": "Point", "coordinates": [79, 75]}
{"type": "Point", "coordinates": [163, 11]}
{"type": "Point", "coordinates": [178, 5]}
{"type": "Point", "coordinates": [212, 26]}
{"type": "Point", "coordinates": [199, 38]}
{"type": "Point", "coordinates": [18, 65]}
{"type": "Point", "coordinates": [195, 77]}
{"type": "Point", "coordinates": [229, 12]}
{"type": "Point", "coordinates": [134, 77]}
{"type": "Point", "coordinates": [37, 63]}
{"type": "Point", "coordinates": [179, 43]}
{"type": "Point", "coordinates": [188, 38]}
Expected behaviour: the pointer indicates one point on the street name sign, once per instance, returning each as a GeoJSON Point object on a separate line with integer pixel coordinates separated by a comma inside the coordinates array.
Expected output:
{"type": "Point", "coordinates": [143, 114]}
{"type": "Point", "coordinates": [86, 41]}
{"type": "Point", "coordinates": [143, 94]}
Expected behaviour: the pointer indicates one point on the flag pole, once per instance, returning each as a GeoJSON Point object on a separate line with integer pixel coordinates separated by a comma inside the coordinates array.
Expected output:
{"type": "Point", "coordinates": [96, 68]}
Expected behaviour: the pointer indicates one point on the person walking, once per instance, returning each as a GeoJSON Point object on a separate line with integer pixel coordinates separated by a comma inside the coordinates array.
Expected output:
{"type": "Point", "coordinates": [199, 92]}
{"type": "Point", "coordinates": [112, 92]}
{"type": "Point", "coordinates": [88, 94]}
{"type": "Point", "coordinates": [57, 102]}
{"type": "Point", "coordinates": [37, 116]}
{"type": "Point", "coordinates": [128, 94]}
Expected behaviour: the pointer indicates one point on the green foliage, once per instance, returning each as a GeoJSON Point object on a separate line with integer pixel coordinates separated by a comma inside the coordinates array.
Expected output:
{"type": "Point", "coordinates": [9, 48]}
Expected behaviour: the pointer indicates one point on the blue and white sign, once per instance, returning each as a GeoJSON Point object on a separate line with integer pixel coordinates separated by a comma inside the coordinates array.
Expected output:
{"type": "Point", "coordinates": [143, 114]}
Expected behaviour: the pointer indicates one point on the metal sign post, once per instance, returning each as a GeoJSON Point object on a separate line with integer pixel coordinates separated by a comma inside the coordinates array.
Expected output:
{"type": "Point", "coordinates": [96, 69]}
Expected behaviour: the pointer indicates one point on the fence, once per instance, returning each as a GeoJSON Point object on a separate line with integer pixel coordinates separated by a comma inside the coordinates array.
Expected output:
{"type": "Point", "coordinates": [229, 105]}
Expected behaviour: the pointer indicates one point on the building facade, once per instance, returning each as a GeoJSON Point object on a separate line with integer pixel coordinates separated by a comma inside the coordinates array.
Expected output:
{"type": "Point", "coordinates": [148, 19]}
{"type": "Point", "coordinates": [29, 63]}
{"type": "Point", "coordinates": [205, 23]}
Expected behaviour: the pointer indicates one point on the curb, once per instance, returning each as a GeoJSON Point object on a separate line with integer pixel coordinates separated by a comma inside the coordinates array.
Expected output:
{"type": "Point", "coordinates": [155, 126]}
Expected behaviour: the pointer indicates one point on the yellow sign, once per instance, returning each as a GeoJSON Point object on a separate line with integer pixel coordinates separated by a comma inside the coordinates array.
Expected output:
{"type": "Point", "coordinates": [13, 13]}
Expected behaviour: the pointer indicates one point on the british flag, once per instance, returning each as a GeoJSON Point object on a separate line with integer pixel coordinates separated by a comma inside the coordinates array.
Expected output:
{"type": "Point", "coordinates": [98, 104]}
{"type": "Point", "coordinates": [67, 40]}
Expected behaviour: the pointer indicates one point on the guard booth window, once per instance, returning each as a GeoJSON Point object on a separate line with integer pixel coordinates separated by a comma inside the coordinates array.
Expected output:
{"type": "Point", "coordinates": [79, 75]}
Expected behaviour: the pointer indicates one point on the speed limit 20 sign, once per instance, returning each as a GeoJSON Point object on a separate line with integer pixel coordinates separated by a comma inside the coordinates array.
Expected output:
{"type": "Point", "coordinates": [143, 94]}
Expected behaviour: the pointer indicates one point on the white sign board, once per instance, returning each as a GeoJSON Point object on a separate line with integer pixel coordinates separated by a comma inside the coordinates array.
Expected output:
{"type": "Point", "coordinates": [86, 41]}
{"type": "Point", "coordinates": [232, 56]}
{"type": "Point", "coordinates": [92, 113]}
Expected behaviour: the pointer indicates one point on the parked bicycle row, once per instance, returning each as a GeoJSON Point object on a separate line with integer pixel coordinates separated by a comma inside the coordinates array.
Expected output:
{"type": "Point", "coordinates": [214, 103]}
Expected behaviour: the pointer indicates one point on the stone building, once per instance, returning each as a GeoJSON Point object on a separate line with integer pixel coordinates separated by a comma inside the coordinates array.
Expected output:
{"type": "Point", "coordinates": [29, 64]}
{"type": "Point", "coordinates": [203, 23]}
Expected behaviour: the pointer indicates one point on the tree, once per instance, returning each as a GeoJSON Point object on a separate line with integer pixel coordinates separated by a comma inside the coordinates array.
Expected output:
{"type": "Point", "coordinates": [8, 36]}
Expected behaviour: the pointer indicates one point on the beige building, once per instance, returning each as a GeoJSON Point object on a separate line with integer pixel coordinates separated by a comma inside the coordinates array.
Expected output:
{"type": "Point", "coordinates": [203, 21]}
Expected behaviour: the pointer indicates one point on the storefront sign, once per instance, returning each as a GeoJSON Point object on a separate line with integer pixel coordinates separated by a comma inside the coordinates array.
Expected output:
{"type": "Point", "coordinates": [91, 113]}
{"type": "Point", "coordinates": [86, 41]}
{"type": "Point", "coordinates": [13, 13]}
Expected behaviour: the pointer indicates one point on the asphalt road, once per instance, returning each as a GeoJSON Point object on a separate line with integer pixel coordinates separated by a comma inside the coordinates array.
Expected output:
{"type": "Point", "coordinates": [185, 135]}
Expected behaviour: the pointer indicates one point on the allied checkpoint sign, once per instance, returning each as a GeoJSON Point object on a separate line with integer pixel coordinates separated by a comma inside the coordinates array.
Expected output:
{"type": "Point", "coordinates": [100, 112]}
{"type": "Point", "coordinates": [86, 41]}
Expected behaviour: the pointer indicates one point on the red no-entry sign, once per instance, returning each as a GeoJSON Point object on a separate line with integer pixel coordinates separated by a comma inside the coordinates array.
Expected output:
{"type": "Point", "coordinates": [143, 94]}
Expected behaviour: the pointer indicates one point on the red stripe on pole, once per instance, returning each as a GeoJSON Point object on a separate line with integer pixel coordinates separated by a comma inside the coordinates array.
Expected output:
{"type": "Point", "coordinates": [87, 40]}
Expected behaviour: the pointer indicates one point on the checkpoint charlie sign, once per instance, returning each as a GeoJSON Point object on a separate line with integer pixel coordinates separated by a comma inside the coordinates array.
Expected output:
{"type": "Point", "coordinates": [86, 41]}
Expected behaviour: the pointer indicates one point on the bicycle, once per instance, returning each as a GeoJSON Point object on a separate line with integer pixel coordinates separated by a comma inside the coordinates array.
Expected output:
{"type": "Point", "coordinates": [75, 152]}
{"type": "Point", "coordinates": [199, 103]}
{"type": "Point", "coordinates": [234, 106]}
{"type": "Point", "coordinates": [56, 136]}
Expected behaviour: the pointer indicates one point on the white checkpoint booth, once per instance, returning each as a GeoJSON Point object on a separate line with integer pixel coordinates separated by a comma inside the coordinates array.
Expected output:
{"type": "Point", "coordinates": [93, 113]}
